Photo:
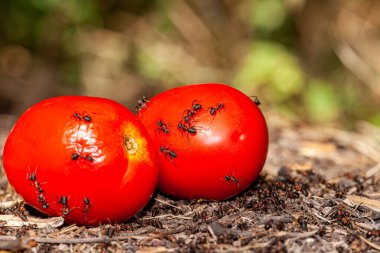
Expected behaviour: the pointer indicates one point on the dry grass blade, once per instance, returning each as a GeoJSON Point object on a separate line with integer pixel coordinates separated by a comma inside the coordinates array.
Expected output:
{"type": "Point", "coordinates": [166, 203]}
{"type": "Point", "coordinates": [212, 233]}
{"type": "Point", "coordinates": [373, 171]}
{"type": "Point", "coordinates": [371, 244]}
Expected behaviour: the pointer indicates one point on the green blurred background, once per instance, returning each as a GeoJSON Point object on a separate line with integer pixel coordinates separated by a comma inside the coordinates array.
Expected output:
{"type": "Point", "coordinates": [314, 61]}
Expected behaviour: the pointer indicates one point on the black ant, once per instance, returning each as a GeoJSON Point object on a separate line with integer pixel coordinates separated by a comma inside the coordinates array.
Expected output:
{"type": "Point", "coordinates": [231, 179]}
{"type": "Point", "coordinates": [163, 126]}
{"type": "Point", "coordinates": [168, 152]}
{"type": "Point", "coordinates": [141, 103]}
{"type": "Point", "coordinates": [189, 129]}
{"type": "Point", "coordinates": [86, 206]}
{"type": "Point", "coordinates": [41, 199]}
{"type": "Point", "coordinates": [21, 212]}
{"type": "Point", "coordinates": [75, 156]}
{"type": "Point", "coordinates": [78, 116]}
{"type": "Point", "coordinates": [37, 185]}
{"type": "Point", "coordinates": [65, 206]}
{"type": "Point", "coordinates": [213, 110]}
{"type": "Point", "coordinates": [63, 201]}
{"type": "Point", "coordinates": [187, 115]}
{"type": "Point", "coordinates": [40, 192]}
{"type": "Point", "coordinates": [256, 100]}
{"type": "Point", "coordinates": [187, 119]}
{"type": "Point", "coordinates": [89, 158]}
{"type": "Point", "coordinates": [302, 222]}
{"type": "Point", "coordinates": [87, 118]}
{"type": "Point", "coordinates": [32, 176]}
{"type": "Point", "coordinates": [196, 106]}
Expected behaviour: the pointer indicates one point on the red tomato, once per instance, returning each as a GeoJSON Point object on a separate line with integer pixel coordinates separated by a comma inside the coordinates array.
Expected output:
{"type": "Point", "coordinates": [212, 140]}
{"type": "Point", "coordinates": [87, 159]}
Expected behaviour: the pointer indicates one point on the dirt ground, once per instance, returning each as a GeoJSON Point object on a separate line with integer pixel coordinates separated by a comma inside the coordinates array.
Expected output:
{"type": "Point", "coordinates": [319, 192]}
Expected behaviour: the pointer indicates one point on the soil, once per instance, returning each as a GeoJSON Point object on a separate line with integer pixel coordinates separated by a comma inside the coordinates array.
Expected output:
{"type": "Point", "coordinates": [319, 192]}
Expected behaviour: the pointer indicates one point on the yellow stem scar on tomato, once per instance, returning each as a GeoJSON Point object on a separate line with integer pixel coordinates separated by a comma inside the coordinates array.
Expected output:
{"type": "Point", "coordinates": [135, 145]}
{"type": "Point", "coordinates": [131, 145]}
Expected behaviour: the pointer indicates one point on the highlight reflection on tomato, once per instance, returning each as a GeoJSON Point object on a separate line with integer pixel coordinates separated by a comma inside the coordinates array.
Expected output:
{"type": "Point", "coordinates": [212, 140]}
{"type": "Point", "coordinates": [86, 159]}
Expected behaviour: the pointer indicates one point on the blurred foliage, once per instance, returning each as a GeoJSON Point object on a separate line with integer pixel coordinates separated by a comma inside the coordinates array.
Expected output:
{"type": "Point", "coordinates": [313, 61]}
{"type": "Point", "coordinates": [272, 65]}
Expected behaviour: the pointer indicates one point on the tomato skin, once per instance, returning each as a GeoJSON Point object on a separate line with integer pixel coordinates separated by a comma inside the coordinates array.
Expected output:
{"type": "Point", "coordinates": [76, 147]}
{"type": "Point", "coordinates": [223, 157]}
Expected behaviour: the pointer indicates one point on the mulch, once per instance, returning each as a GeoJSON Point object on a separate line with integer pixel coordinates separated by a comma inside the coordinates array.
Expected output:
{"type": "Point", "coordinates": [319, 192]}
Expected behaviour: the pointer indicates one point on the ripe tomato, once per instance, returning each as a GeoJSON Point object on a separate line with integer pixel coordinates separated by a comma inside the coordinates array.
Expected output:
{"type": "Point", "coordinates": [87, 159]}
{"type": "Point", "coordinates": [212, 140]}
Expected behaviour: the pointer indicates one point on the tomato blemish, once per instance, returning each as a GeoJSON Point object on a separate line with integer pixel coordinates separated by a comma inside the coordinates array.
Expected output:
{"type": "Point", "coordinates": [131, 145]}
{"type": "Point", "coordinates": [135, 144]}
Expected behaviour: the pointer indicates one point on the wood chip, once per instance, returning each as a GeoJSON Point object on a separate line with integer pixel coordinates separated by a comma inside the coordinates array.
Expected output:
{"type": "Point", "coordinates": [317, 149]}
{"type": "Point", "coordinates": [15, 221]}
{"type": "Point", "coordinates": [8, 204]}
{"type": "Point", "coordinates": [300, 167]}
{"type": "Point", "coordinates": [11, 246]}
{"type": "Point", "coordinates": [64, 230]}
{"type": "Point", "coordinates": [354, 200]}
{"type": "Point", "coordinates": [152, 250]}
{"type": "Point", "coordinates": [295, 236]}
